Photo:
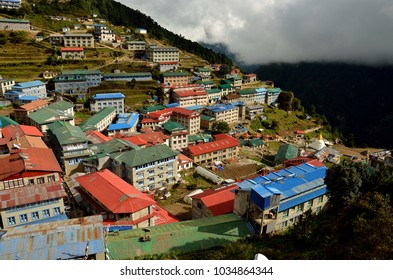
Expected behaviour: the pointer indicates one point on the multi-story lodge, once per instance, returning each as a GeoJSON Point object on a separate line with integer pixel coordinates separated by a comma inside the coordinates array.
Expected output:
{"type": "Point", "coordinates": [178, 135]}
{"type": "Point", "coordinates": [10, 4]}
{"type": "Point", "coordinates": [70, 146]}
{"type": "Point", "coordinates": [58, 111]}
{"type": "Point", "coordinates": [223, 112]}
{"type": "Point", "coordinates": [72, 53]}
{"type": "Point", "coordinates": [161, 54]}
{"type": "Point", "coordinates": [103, 34]}
{"type": "Point", "coordinates": [36, 89]}
{"type": "Point", "coordinates": [189, 119]}
{"type": "Point", "coordinates": [136, 45]}
{"type": "Point", "coordinates": [278, 200]}
{"type": "Point", "coordinates": [21, 113]}
{"type": "Point", "coordinates": [188, 98]}
{"type": "Point", "coordinates": [224, 147]}
{"type": "Point", "coordinates": [147, 168]}
{"type": "Point", "coordinates": [79, 40]}
{"type": "Point", "coordinates": [6, 85]}
{"type": "Point", "coordinates": [176, 77]}
{"type": "Point", "coordinates": [104, 100]}
{"type": "Point", "coordinates": [14, 24]}
{"type": "Point", "coordinates": [100, 120]}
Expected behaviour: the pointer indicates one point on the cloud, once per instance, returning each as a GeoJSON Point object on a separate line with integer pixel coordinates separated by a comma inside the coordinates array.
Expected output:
{"type": "Point", "coordinates": [263, 31]}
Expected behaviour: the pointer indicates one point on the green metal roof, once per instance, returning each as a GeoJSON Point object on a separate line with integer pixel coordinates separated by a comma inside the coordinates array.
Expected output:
{"type": "Point", "coordinates": [147, 155]}
{"type": "Point", "coordinates": [135, 74]}
{"type": "Point", "coordinates": [176, 73]}
{"type": "Point", "coordinates": [286, 151]}
{"type": "Point", "coordinates": [180, 237]}
{"type": "Point", "coordinates": [207, 118]}
{"type": "Point", "coordinates": [90, 123]}
{"type": "Point", "coordinates": [246, 91]}
{"type": "Point", "coordinates": [61, 105]}
{"type": "Point", "coordinates": [255, 142]}
{"type": "Point", "coordinates": [43, 115]}
{"type": "Point", "coordinates": [112, 146]}
{"type": "Point", "coordinates": [148, 109]}
{"type": "Point", "coordinates": [196, 137]}
{"type": "Point", "coordinates": [6, 121]}
{"type": "Point", "coordinates": [81, 72]}
{"type": "Point", "coordinates": [213, 90]}
{"type": "Point", "coordinates": [14, 20]}
{"type": "Point", "coordinates": [172, 126]}
{"type": "Point", "coordinates": [69, 134]}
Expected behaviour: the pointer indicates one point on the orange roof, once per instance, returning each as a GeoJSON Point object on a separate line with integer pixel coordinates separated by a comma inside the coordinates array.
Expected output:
{"type": "Point", "coordinates": [26, 142]}
{"type": "Point", "coordinates": [113, 192]}
{"type": "Point", "coordinates": [182, 159]}
{"type": "Point", "coordinates": [219, 201]}
{"type": "Point", "coordinates": [96, 137]}
{"type": "Point", "coordinates": [34, 105]}
{"type": "Point", "coordinates": [71, 49]}
{"type": "Point", "coordinates": [12, 131]}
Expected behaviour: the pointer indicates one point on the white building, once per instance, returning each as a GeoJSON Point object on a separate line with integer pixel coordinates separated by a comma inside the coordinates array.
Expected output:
{"type": "Point", "coordinates": [104, 100]}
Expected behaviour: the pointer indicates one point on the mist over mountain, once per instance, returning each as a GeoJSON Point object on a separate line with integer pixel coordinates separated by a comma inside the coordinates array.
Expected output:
{"type": "Point", "coordinates": [355, 98]}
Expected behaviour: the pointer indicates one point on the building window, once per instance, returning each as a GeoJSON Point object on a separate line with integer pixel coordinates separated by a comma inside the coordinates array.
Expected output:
{"type": "Point", "coordinates": [35, 216]}
{"type": "Point", "coordinates": [51, 178]}
{"type": "Point", "coordinates": [45, 213]}
{"type": "Point", "coordinates": [40, 180]}
{"type": "Point", "coordinates": [56, 211]}
{"type": "Point", "coordinates": [310, 203]}
{"type": "Point", "coordinates": [23, 218]}
{"type": "Point", "coordinates": [320, 199]}
{"type": "Point", "coordinates": [199, 205]}
{"type": "Point", "coordinates": [285, 213]}
{"type": "Point", "coordinates": [299, 208]}
{"type": "Point", "coordinates": [11, 221]}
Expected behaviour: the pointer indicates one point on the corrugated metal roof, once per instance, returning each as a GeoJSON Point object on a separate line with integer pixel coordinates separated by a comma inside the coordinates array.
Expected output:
{"type": "Point", "coordinates": [28, 84]}
{"type": "Point", "coordinates": [301, 199]}
{"type": "Point", "coordinates": [124, 121]}
{"type": "Point", "coordinates": [54, 240]}
{"type": "Point", "coordinates": [108, 95]}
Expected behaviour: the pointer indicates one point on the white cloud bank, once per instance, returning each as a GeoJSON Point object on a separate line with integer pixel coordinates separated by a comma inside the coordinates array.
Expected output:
{"type": "Point", "coordinates": [263, 31]}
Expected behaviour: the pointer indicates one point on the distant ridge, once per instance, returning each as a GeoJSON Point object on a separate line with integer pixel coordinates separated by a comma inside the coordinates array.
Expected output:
{"type": "Point", "coordinates": [355, 98]}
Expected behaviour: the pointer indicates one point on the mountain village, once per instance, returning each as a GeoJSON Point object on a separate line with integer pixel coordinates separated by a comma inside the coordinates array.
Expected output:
{"type": "Point", "coordinates": [99, 187]}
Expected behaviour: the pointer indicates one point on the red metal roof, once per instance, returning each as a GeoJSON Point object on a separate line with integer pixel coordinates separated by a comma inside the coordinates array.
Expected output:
{"type": "Point", "coordinates": [113, 192]}
{"type": "Point", "coordinates": [40, 159]}
{"type": "Point", "coordinates": [221, 144]}
{"type": "Point", "coordinates": [149, 139]}
{"type": "Point", "coordinates": [120, 197]}
{"type": "Point", "coordinates": [11, 165]}
{"type": "Point", "coordinates": [30, 194]}
{"type": "Point", "coordinates": [219, 201]}
{"type": "Point", "coordinates": [187, 93]}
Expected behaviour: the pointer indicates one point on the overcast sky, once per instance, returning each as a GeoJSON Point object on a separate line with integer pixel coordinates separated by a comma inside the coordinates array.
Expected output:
{"type": "Point", "coordinates": [263, 31]}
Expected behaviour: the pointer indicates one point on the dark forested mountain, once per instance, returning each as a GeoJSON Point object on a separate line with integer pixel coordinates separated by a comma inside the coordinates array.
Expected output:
{"type": "Point", "coordinates": [356, 99]}
{"type": "Point", "coordinates": [121, 15]}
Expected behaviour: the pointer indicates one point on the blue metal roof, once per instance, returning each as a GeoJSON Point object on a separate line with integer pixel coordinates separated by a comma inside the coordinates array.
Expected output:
{"type": "Point", "coordinates": [125, 121]}
{"type": "Point", "coordinates": [54, 240]}
{"type": "Point", "coordinates": [220, 107]}
{"type": "Point", "coordinates": [195, 107]}
{"type": "Point", "coordinates": [108, 95]}
{"type": "Point", "coordinates": [28, 98]}
{"type": "Point", "coordinates": [301, 199]}
{"type": "Point", "coordinates": [289, 183]}
{"type": "Point", "coordinates": [28, 84]}
{"type": "Point", "coordinates": [238, 103]}
{"type": "Point", "coordinates": [171, 105]}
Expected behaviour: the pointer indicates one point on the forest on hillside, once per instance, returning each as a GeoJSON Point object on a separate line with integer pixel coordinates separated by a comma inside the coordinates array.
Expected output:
{"type": "Point", "coordinates": [355, 98]}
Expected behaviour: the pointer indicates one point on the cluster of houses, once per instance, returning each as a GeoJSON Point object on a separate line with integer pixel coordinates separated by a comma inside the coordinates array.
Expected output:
{"type": "Point", "coordinates": [108, 170]}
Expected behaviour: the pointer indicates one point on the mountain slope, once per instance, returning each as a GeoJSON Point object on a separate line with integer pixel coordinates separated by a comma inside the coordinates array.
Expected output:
{"type": "Point", "coordinates": [121, 15]}
{"type": "Point", "coordinates": [356, 99]}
